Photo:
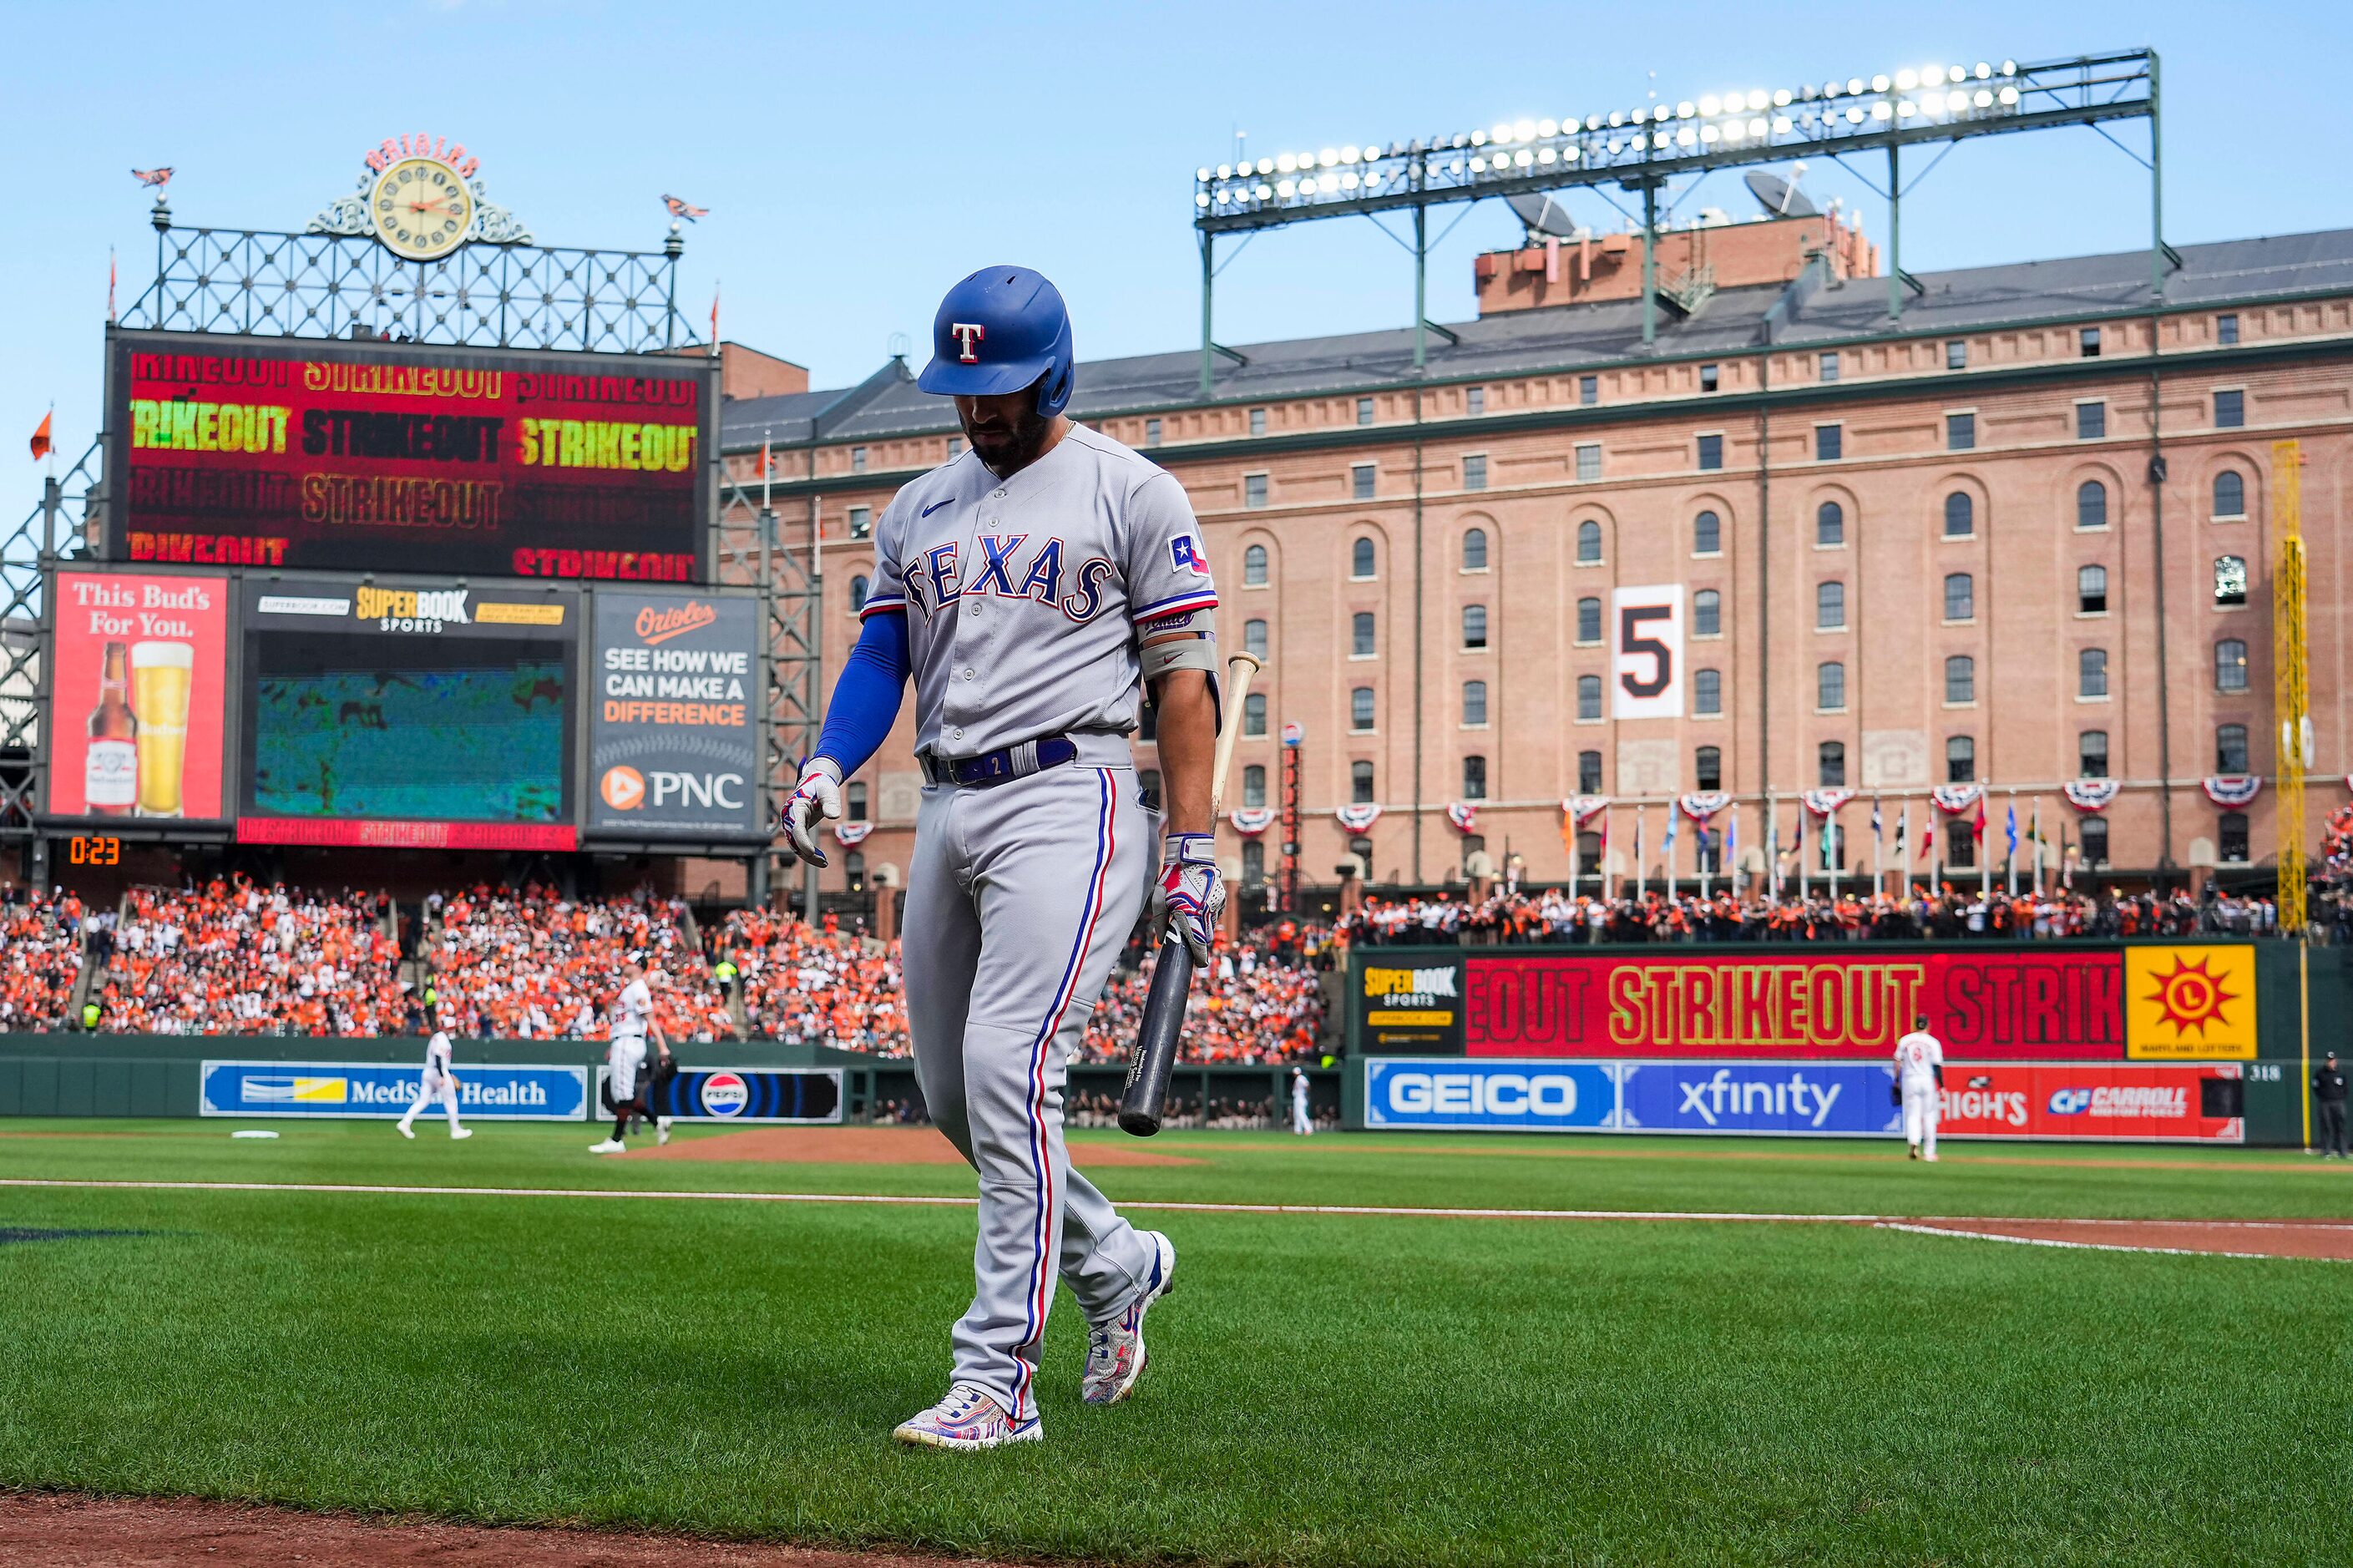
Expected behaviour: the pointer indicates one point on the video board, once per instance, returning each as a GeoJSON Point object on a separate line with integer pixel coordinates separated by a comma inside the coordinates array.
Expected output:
{"type": "Point", "coordinates": [377, 456]}
{"type": "Point", "coordinates": [673, 748]}
{"type": "Point", "coordinates": [411, 714]}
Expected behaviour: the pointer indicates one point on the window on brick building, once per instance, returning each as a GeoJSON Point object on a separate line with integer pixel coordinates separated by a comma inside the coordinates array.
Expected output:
{"type": "Point", "coordinates": [1254, 785]}
{"type": "Point", "coordinates": [1254, 566]}
{"type": "Point", "coordinates": [1360, 708]}
{"type": "Point", "coordinates": [2088, 341]}
{"type": "Point", "coordinates": [854, 800]}
{"type": "Point", "coordinates": [2229, 409]}
{"type": "Point", "coordinates": [2091, 504]}
{"type": "Point", "coordinates": [1830, 687]}
{"type": "Point", "coordinates": [1588, 620]}
{"type": "Point", "coordinates": [1830, 764]}
{"type": "Point", "coordinates": [1360, 782]}
{"type": "Point", "coordinates": [1253, 862]}
{"type": "Point", "coordinates": [1253, 489]}
{"type": "Point", "coordinates": [1711, 451]}
{"type": "Point", "coordinates": [1474, 702]}
{"type": "Point", "coordinates": [1960, 678]}
{"type": "Point", "coordinates": [1254, 714]}
{"type": "Point", "coordinates": [1830, 525]}
{"type": "Point", "coordinates": [1707, 694]}
{"type": "Point", "coordinates": [861, 521]}
{"type": "Point", "coordinates": [1588, 543]}
{"type": "Point", "coordinates": [1254, 638]}
{"type": "Point", "coordinates": [1960, 759]}
{"type": "Point", "coordinates": [1709, 380]}
{"type": "Point", "coordinates": [1474, 400]}
{"type": "Point", "coordinates": [1957, 354]}
{"type": "Point", "coordinates": [2229, 580]}
{"type": "Point", "coordinates": [1960, 596]}
{"type": "Point", "coordinates": [2092, 672]}
{"type": "Point", "coordinates": [2092, 590]}
{"type": "Point", "coordinates": [2094, 848]}
{"type": "Point", "coordinates": [1152, 432]}
{"type": "Point", "coordinates": [1829, 606]}
{"type": "Point", "coordinates": [1830, 367]}
{"type": "Point", "coordinates": [1475, 550]}
{"type": "Point", "coordinates": [2226, 329]}
{"type": "Point", "coordinates": [1960, 515]}
{"type": "Point", "coordinates": [1474, 777]}
{"type": "Point", "coordinates": [1474, 471]}
{"type": "Point", "coordinates": [2090, 421]}
{"type": "Point", "coordinates": [2229, 748]}
{"type": "Point", "coordinates": [2230, 494]}
{"type": "Point", "coordinates": [2230, 665]}
{"type": "Point", "coordinates": [2091, 754]}
{"type": "Point", "coordinates": [859, 587]}
{"type": "Point", "coordinates": [1707, 534]}
{"type": "Point", "coordinates": [1474, 626]}
{"type": "Point", "coordinates": [1361, 477]}
{"type": "Point", "coordinates": [858, 459]}
{"type": "Point", "coordinates": [1588, 772]}
{"type": "Point", "coordinates": [1707, 613]}
{"type": "Point", "coordinates": [1589, 390]}
{"type": "Point", "coordinates": [1830, 443]}
{"type": "Point", "coordinates": [2231, 830]}
{"type": "Point", "coordinates": [1360, 634]}
{"type": "Point", "coordinates": [1588, 461]}
{"type": "Point", "coordinates": [1588, 696]}
{"type": "Point", "coordinates": [1707, 768]}
{"type": "Point", "coordinates": [1258, 421]}
{"type": "Point", "coordinates": [1361, 559]}
{"type": "Point", "coordinates": [1364, 411]}
{"type": "Point", "coordinates": [1960, 432]}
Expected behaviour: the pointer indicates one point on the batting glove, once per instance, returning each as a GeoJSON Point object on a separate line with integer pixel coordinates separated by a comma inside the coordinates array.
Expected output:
{"type": "Point", "coordinates": [1190, 893]}
{"type": "Point", "coordinates": [817, 796]}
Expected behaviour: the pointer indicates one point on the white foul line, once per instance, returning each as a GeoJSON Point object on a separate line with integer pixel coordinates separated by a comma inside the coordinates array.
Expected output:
{"type": "Point", "coordinates": [2093, 1246]}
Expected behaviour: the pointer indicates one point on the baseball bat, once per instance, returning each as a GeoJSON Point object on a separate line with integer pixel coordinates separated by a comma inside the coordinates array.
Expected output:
{"type": "Point", "coordinates": [1162, 1029]}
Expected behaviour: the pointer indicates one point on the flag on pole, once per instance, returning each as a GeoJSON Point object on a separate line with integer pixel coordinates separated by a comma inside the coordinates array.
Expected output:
{"type": "Point", "coordinates": [714, 316]}
{"type": "Point", "coordinates": [1977, 826]}
{"type": "Point", "coordinates": [2011, 828]}
{"type": "Point", "coordinates": [1732, 848]}
{"type": "Point", "coordinates": [110, 283]}
{"type": "Point", "coordinates": [1928, 836]}
{"type": "Point", "coordinates": [42, 444]}
{"type": "Point", "coordinates": [1874, 818]}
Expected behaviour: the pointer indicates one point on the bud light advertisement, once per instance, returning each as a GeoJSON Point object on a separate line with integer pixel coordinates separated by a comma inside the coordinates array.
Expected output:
{"type": "Point", "coordinates": [386, 1090]}
{"type": "Point", "coordinates": [673, 750]}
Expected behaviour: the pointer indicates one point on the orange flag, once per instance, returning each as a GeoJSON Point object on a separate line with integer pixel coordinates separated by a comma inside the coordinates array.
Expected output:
{"type": "Point", "coordinates": [41, 442]}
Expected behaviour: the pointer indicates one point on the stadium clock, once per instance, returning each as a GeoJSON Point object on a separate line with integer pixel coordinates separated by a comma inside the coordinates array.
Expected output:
{"type": "Point", "coordinates": [421, 208]}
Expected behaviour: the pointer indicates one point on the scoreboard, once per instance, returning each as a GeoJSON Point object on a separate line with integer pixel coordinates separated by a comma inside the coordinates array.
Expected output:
{"type": "Point", "coordinates": [367, 456]}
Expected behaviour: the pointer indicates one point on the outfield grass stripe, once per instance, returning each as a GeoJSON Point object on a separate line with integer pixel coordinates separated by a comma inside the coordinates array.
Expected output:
{"type": "Point", "coordinates": [2076, 1245]}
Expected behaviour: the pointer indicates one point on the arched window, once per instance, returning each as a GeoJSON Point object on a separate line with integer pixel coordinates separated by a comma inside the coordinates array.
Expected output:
{"type": "Point", "coordinates": [1253, 861]}
{"type": "Point", "coordinates": [1588, 696]}
{"type": "Point", "coordinates": [1360, 782]}
{"type": "Point", "coordinates": [1588, 772]}
{"type": "Point", "coordinates": [1588, 543]}
{"type": "Point", "coordinates": [1830, 524]}
{"type": "Point", "coordinates": [1707, 613]}
{"type": "Point", "coordinates": [858, 591]}
{"type": "Point", "coordinates": [1360, 634]}
{"type": "Point", "coordinates": [1960, 596]}
{"type": "Point", "coordinates": [1474, 626]}
{"type": "Point", "coordinates": [854, 800]}
{"type": "Point", "coordinates": [1960, 515]}
{"type": "Point", "coordinates": [1830, 764]}
{"type": "Point", "coordinates": [2229, 748]}
{"type": "Point", "coordinates": [1254, 638]}
{"type": "Point", "coordinates": [2229, 580]}
{"type": "Point", "coordinates": [1707, 768]}
{"type": "Point", "coordinates": [1254, 713]}
{"type": "Point", "coordinates": [1707, 534]}
{"type": "Point", "coordinates": [2096, 841]}
{"type": "Point", "coordinates": [1960, 759]}
{"type": "Point", "coordinates": [1588, 620]}
{"type": "Point", "coordinates": [1830, 686]}
{"type": "Point", "coordinates": [853, 870]}
{"type": "Point", "coordinates": [1474, 778]}
{"type": "Point", "coordinates": [1475, 550]}
{"type": "Point", "coordinates": [2091, 504]}
{"type": "Point", "coordinates": [2233, 836]}
{"type": "Point", "coordinates": [2092, 672]}
{"type": "Point", "coordinates": [2091, 754]}
{"type": "Point", "coordinates": [1360, 708]}
{"type": "Point", "coordinates": [1829, 606]}
{"type": "Point", "coordinates": [1254, 785]}
{"type": "Point", "coordinates": [1360, 558]}
{"type": "Point", "coordinates": [1254, 566]}
{"type": "Point", "coordinates": [1707, 695]}
{"type": "Point", "coordinates": [1474, 702]}
{"type": "Point", "coordinates": [1960, 678]}
{"type": "Point", "coordinates": [2229, 493]}
{"type": "Point", "coordinates": [2230, 665]}
{"type": "Point", "coordinates": [2092, 590]}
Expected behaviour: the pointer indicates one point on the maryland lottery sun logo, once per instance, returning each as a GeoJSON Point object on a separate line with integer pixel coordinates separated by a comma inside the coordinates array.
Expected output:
{"type": "Point", "coordinates": [2190, 1003]}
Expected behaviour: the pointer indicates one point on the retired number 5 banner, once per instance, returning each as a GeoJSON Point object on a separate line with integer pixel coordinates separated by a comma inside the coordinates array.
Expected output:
{"type": "Point", "coordinates": [1646, 652]}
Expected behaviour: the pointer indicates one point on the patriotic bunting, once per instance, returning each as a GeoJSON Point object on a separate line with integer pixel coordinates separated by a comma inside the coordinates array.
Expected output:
{"type": "Point", "coordinates": [1824, 801]}
{"type": "Point", "coordinates": [1699, 807]}
{"type": "Point", "coordinates": [1581, 809]}
{"type": "Point", "coordinates": [1358, 819]}
{"type": "Point", "coordinates": [850, 835]}
{"type": "Point", "coordinates": [1249, 821]}
{"type": "Point", "coordinates": [2234, 789]}
{"type": "Point", "coordinates": [1464, 814]}
{"type": "Point", "coordinates": [2090, 794]}
{"type": "Point", "coordinates": [1955, 799]}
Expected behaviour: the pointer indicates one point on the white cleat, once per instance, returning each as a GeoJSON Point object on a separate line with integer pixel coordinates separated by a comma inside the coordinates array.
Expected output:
{"type": "Point", "coordinates": [967, 1419]}
{"type": "Point", "coordinates": [609, 1146]}
{"type": "Point", "coordinates": [458, 1132]}
{"type": "Point", "coordinates": [661, 1134]}
{"type": "Point", "coordinates": [1115, 1350]}
{"type": "Point", "coordinates": [407, 1131]}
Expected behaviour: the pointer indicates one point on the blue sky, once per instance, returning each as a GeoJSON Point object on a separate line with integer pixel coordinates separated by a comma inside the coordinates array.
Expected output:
{"type": "Point", "coordinates": [859, 158]}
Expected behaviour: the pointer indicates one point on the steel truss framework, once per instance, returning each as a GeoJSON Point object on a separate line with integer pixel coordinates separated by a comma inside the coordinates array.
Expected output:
{"type": "Point", "coordinates": [784, 561]}
{"type": "Point", "coordinates": [1641, 150]}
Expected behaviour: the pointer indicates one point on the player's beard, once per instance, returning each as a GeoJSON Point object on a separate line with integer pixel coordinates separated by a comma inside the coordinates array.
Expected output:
{"type": "Point", "coordinates": [1007, 449]}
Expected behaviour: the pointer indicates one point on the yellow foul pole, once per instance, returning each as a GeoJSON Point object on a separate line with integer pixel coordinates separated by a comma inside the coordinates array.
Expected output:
{"type": "Point", "coordinates": [2290, 677]}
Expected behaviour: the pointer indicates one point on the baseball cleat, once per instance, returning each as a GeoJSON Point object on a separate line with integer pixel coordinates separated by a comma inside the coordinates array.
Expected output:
{"type": "Point", "coordinates": [458, 1132]}
{"type": "Point", "coordinates": [968, 1418]}
{"type": "Point", "coordinates": [662, 1134]}
{"type": "Point", "coordinates": [407, 1131]}
{"type": "Point", "coordinates": [1116, 1349]}
{"type": "Point", "coordinates": [609, 1146]}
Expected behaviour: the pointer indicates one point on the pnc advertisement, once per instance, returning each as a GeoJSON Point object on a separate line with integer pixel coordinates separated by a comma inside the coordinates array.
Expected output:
{"type": "Point", "coordinates": [672, 745]}
{"type": "Point", "coordinates": [138, 691]}
{"type": "Point", "coordinates": [380, 457]}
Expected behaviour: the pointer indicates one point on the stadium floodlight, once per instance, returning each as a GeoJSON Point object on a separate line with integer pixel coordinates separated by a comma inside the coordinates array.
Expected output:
{"type": "Point", "coordinates": [1642, 148]}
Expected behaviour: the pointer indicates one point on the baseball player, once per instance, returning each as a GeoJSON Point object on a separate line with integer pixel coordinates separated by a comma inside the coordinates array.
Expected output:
{"type": "Point", "coordinates": [1036, 587]}
{"type": "Point", "coordinates": [1300, 1122]}
{"type": "Point", "coordinates": [632, 1014]}
{"type": "Point", "coordinates": [1919, 1078]}
{"type": "Point", "coordinates": [438, 1083]}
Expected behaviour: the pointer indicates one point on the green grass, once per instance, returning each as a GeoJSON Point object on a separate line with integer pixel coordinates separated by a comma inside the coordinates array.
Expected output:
{"type": "Point", "coordinates": [1324, 1388]}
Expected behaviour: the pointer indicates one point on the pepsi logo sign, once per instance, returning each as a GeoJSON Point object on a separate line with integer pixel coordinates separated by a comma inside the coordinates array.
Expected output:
{"type": "Point", "coordinates": [725, 1094]}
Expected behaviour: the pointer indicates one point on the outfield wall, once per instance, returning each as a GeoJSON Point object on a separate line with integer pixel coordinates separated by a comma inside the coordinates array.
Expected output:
{"type": "Point", "coordinates": [2104, 1012]}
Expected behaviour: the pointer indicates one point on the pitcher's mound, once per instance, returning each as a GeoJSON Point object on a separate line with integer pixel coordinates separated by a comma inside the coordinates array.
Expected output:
{"type": "Point", "coordinates": [871, 1146]}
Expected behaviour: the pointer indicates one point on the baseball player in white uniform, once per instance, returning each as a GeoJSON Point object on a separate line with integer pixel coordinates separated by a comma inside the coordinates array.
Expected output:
{"type": "Point", "coordinates": [1919, 1078]}
{"type": "Point", "coordinates": [438, 1083]}
{"type": "Point", "coordinates": [632, 1015]}
{"type": "Point", "coordinates": [1035, 587]}
{"type": "Point", "coordinates": [1301, 1122]}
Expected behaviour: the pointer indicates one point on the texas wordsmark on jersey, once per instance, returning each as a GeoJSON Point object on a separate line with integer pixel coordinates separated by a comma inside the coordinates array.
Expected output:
{"type": "Point", "coordinates": [1023, 595]}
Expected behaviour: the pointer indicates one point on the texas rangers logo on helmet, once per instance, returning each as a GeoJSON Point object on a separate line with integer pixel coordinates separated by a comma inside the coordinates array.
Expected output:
{"type": "Point", "coordinates": [967, 334]}
{"type": "Point", "coordinates": [1184, 553]}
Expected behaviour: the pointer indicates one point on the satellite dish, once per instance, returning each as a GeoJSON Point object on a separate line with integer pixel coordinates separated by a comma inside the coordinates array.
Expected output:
{"type": "Point", "coordinates": [1543, 215]}
{"type": "Point", "coordinates": [1781, 197]}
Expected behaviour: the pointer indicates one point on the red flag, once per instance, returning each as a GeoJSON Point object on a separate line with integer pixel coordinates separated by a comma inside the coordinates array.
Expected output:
{"type": "Point", "coordinates": [767, 460]}
{"type": "Point", "coordinates": [1928, 839]}
{"type": "Point", "coordinates": [714, 318]}
{"type": "Point", "coordinates": [42, 444]}
{"type": "Point", "coordinates": [109, 283]}
{"type": "Point", "coordinates": [1976, 828]}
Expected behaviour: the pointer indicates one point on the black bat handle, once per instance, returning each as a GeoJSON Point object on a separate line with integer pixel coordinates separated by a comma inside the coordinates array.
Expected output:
{"type": "Point", "coordinates": [1157, 1035]}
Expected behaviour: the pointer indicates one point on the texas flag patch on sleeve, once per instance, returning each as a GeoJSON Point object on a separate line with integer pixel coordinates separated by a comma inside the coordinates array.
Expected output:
{"type": "Point", "coordinates": [1185, 552]}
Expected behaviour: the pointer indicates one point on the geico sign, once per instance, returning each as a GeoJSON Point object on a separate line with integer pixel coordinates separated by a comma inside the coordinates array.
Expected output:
{"type": "Point", "coordinates": [1483, 1093]}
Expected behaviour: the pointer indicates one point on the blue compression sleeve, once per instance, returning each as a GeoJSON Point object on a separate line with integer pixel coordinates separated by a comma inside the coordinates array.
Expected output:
{"type": "Point", "coordinates": [866, 698]}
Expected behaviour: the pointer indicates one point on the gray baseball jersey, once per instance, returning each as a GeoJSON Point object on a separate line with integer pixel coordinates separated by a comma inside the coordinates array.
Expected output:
{"type": "Point", "coordinates": [1023, 595]}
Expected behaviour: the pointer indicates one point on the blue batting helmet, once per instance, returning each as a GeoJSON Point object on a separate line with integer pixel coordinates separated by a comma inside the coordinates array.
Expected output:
{"type": "Point", "coordinates": [1000, 330]}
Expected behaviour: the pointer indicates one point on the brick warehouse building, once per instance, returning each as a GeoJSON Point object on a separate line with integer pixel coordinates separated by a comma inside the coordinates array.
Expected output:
{"type": "Point", "coordinates": [1910, 551]}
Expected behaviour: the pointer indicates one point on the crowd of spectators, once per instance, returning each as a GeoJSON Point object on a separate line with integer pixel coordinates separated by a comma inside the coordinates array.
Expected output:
{"type": "Point", "coordinates": [1261, 1003]}
{"type": "Point", "coordinates": [1955, 913]}
{"type": "Point", "coordinates": [531, 964]}
{"type": "Point", "coordinates": [234, 958]}
{"type": "Point", "coordinates": [40, 959]}
{"type": "Point", "coordinates": [815, 985]}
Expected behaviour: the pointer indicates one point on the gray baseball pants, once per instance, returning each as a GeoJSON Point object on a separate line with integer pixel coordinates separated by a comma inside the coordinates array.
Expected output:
{"type": "Point", "coordinates": [1018, 898]}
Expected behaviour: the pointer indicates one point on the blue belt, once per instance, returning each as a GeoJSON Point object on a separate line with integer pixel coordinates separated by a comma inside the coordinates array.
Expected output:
{"type": "Point", "coordinates": [993, 768]}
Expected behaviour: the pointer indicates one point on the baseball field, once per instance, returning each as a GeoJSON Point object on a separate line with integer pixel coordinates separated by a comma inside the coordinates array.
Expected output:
{"type": "Point", "coordinates": [1381, 1349]}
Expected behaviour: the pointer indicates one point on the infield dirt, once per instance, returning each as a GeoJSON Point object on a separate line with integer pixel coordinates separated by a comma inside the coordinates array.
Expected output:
{"type": "Point", "coordinates": [871, 1146]}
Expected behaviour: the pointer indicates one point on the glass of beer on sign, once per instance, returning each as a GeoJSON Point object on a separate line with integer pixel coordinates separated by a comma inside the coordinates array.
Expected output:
{"type": "Point", "coordinates": [160, 674]}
